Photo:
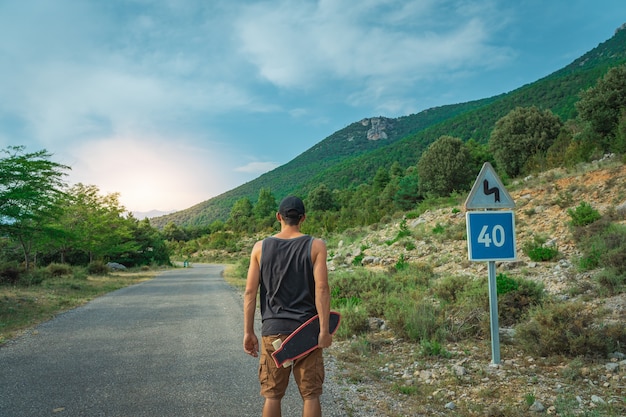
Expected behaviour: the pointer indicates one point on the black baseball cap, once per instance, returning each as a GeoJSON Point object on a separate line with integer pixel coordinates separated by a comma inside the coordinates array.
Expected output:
{"type": "Point", "coordinates": [291, 207]}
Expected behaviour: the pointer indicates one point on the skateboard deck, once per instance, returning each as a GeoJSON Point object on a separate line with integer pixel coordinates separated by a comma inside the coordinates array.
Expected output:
{"type": "Point", "coordinates": [302, 341]}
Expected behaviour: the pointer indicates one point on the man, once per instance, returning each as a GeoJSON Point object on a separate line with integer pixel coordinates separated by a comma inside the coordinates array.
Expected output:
{"type": "Point", "coordinates": [290, 269]}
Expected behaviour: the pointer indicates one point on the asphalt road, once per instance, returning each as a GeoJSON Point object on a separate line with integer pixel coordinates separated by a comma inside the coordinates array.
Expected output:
{"type": "Point", "coordinates": [171, 346]}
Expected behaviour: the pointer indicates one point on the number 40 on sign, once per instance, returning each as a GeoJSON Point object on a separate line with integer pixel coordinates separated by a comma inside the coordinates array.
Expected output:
{"type": "Point", "coordinates": [491, 235]}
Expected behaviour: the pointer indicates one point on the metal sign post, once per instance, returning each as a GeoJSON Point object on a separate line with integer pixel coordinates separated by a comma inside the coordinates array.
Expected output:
{"type": "Point", "coordinates": [490, 237]}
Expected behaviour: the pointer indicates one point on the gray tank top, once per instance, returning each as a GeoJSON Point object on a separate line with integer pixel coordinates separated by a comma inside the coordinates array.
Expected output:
{"type": "Point", "coordinates": [287, 284]}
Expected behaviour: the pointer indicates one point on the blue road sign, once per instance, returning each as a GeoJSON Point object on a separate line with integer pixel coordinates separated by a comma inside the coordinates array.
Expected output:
{"type": "Point", "coordinates": [491, 235]}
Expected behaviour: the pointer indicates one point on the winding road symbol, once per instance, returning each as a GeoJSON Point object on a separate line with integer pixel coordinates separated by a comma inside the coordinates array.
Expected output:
{"type": "Point", "coordinates": [488, 192]}
{"type": "Point", "coordinates": [493, 190]}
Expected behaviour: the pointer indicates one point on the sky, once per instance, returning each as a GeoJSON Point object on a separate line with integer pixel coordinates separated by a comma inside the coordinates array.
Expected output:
{"type": "Point", "coordinates": [172, 102]}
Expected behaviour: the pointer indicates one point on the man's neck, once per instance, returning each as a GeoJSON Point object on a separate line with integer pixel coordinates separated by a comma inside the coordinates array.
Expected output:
{"type": "Point", "coordinates": [289, 232]}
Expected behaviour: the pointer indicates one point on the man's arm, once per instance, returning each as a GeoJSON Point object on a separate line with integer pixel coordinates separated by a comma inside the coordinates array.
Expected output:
{"type": "Point", "coordinates": [322, 291]}
{"type": "Point", "coordinates": [250, 340]}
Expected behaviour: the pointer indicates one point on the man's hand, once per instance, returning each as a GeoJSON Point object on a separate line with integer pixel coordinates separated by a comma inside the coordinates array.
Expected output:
{"type": "Point", "coordinates": [251, 344]}
{"type": "Point", "coordinates": [324, 340]}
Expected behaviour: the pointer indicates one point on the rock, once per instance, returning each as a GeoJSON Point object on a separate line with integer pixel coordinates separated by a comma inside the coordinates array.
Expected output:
{"type": "Point", "coordinates": [597, 400]}
{"type": "Point", "coordinates": [459, 370]}
{"type": "Point", "coordinates": [537, 407]}
{"type": "Point", "coordinates": [115, 266]}
{"type": "Point", "coordinates": [370, 260]}
{"type": "Point", "coordinates": [450, 405]}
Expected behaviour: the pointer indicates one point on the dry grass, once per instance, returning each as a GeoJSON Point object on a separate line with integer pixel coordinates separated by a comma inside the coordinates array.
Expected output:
{"type": "Point", "coordinates": [22, 307]}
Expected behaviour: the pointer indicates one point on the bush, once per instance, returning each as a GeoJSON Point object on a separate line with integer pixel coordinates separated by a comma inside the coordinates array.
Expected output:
{"type": "Point", "coordinates": [565, 328]}
{"type": "Point", "coordinates": [537, 252]}
{"type": "Point", "coordinates": [603, 244]}
{"type": "Point", "coordinates": [583, 215]}
{"type": "Point", "coordinates": [612, 280]}
{"type": "Point", "coordinates": [9, 274]}
{"type": "Point", "coordinates": [57, 270]}
{"type": "Point", "coordinates": [517, 298]}
{"type": "Point", "coordinates": [97, 268]}
{"type": "Point", "coordinates": [354, 320]}
{"type": "Point", "coordinates": [448, 288]}
{"type": "Point", "coordinates": [505, 284]}
{"type": "Point", "coordinates": [419, 320]}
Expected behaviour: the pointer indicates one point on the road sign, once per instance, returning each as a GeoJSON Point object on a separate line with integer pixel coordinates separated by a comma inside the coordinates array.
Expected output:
{"type": "Point", "coordinates": [488, 191]}
{"type": "Point", "coordinates": [491, 235]}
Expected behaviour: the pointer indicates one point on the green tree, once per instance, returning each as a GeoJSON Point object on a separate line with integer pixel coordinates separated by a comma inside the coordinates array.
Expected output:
{"type": "Point", "coordinates": [524, 133]}
{"type": "Point", "coordinates": [171, 231]}
{"type": "Point", "coordinates": [444, 167]}
{"type": "Point", "coordinates": [95, 224]}
{"type": "Point", "coordinates": [407, 194]}
{"type": "Point", "coordinates": [30, 186]}
{"type": "Point", "coordinates": [265, 208]}
{"type": "Point", "coordinates": [381, 179]}
{"type": "Point", "coordinates": [602, 105]}
{"type": "Point", "coordinates": [241, 215]}
{"type": "Point", "coordinates": [321, 199]}
{"type": "Point", "coordinates": [150, 246]}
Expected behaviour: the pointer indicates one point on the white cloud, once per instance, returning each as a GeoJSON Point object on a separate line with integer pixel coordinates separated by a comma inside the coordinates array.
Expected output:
{"type": "Point", "coordinates": [257, 167]}
{"type": "Point", "coordinates": [294, 44]}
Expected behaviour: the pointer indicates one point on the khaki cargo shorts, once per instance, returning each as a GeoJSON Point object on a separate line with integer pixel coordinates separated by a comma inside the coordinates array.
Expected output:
{"type": "Point", "coordinates": [308, 372]}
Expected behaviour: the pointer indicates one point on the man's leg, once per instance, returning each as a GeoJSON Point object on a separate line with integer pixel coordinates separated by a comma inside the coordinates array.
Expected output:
{"type": "Point", "coordinates": [271, 408]}
{"type": "Point", "coordinates": [311, 408]}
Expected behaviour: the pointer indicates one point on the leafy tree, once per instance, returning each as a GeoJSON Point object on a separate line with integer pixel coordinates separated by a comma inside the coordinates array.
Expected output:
{"type": "Point", "coordinates": [396, 170]}
{"type": "Point", "coordinates": [381, 179]}
{"type": "Point", "coordinates": [241, 215]}
{"type": "Point", "coordinates": [321, 199]}
{"type": "Point", "coordinates": [265, 208]}
{"type": "Point", "coordinates": [524, 133]}
{"type": "Point", "coordinates": [444, 167]}
{"type": "Point", "coordinates": [172, 232]}
{"type": "Point", "coordinates": [479, 154]}
{"type": "Point", "coordinates": [95, 224]}
{"type": "Point", "coordinates": [407, 194]}
{"type": "Point", "coordinates": [30, 186]}
{"type": "Point", "coordinates": [603, 105]}
{"type": "Point", "coordinates": [151, 247]}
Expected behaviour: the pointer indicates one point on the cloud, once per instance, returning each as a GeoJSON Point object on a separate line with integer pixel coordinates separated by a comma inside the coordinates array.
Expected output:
{"type": "Point", "coordinates": [257, 167]}
{"type": "Point", "coordinates": [380, 43]}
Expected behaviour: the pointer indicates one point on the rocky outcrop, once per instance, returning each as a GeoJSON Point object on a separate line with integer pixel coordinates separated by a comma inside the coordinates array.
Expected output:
{"type": "Point", "coordinates": [378, 125]}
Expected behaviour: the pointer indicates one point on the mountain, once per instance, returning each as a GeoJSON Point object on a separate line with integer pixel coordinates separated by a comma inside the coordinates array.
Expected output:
{"type": "Point", "coordinates": [140, 215]}
{"type": "Point", "coordinates": [352, 155]}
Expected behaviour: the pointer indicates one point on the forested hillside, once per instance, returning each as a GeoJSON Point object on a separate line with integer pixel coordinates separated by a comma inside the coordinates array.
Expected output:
{"type": "Point", "coordinates": [348, 158]}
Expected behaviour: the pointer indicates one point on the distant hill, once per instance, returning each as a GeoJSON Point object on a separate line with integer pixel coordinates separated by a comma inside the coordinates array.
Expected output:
{"type": "Point", "coordinates": [352, 155]}
{"type": "Point", "coordinates": [140, 215]}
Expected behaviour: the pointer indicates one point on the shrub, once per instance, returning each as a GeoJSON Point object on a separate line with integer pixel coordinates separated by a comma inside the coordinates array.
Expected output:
{"type": "Point", "coordinates": [516, 298]}
{"type": "Point", "coordinates": [97, 268]}
{"type": "Point", "coordinates": [537, 252]}
{"type": "Point", "coordinates": [583, 215]}
{"type": "Point", "coordinates": [564, 328]}
{"type": "Point", "coordinates": [354, 320]}
{"type": "Point", "coordinates": [401, 264]}
{"type": "Point", "coordinates": [412, 275]}
{"type": "Point", "coordinates": [448, 288]}
{"type": "Point", "coordinates": [612, 280]}
{"type": "Point", "coordinates": [9, 274]}
{"type": "Point", "coordinates": [604, 245]}
{"type": "Point", "coordinates": [57, 270]}
{"type": "Point", "coordinates": [505, 284]}
{"type": "Point", "coordinates": [415, 321]}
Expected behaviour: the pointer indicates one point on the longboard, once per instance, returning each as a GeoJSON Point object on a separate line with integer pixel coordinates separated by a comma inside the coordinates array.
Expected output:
{"type": "Point", "coordinates": [302, 341]}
